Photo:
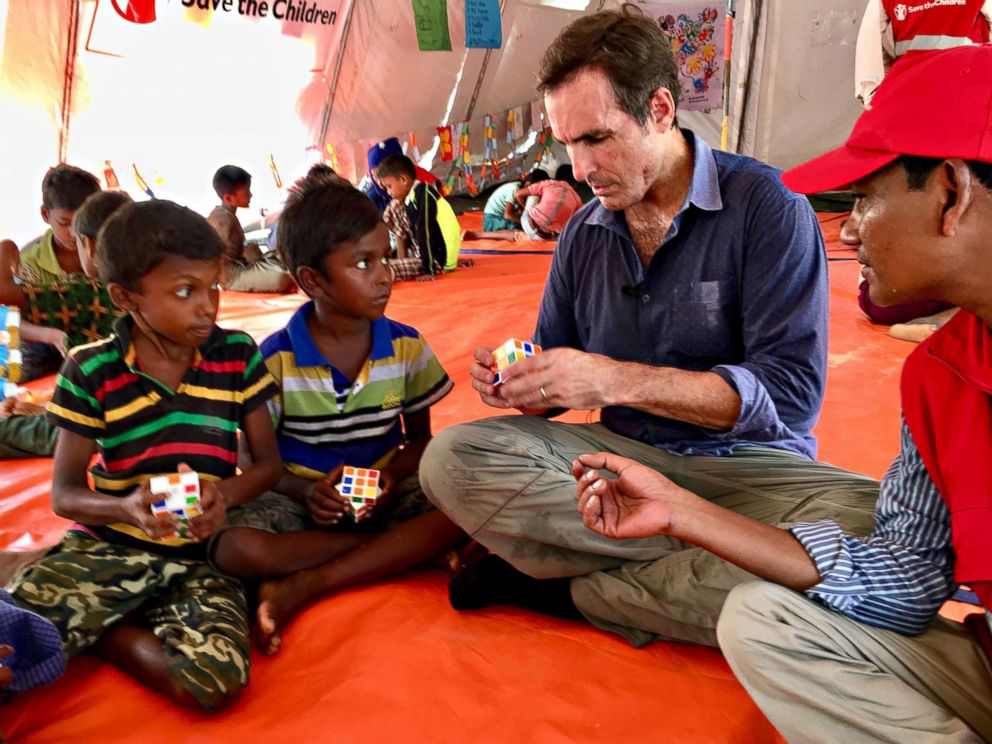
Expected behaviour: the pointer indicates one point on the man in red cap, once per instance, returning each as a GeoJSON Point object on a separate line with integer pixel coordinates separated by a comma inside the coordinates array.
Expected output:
{"type": "Point", "coordinates": [841, 642]}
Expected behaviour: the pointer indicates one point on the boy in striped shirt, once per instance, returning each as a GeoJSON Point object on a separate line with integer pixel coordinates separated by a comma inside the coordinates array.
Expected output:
{"type": "Point", "coordinates": [355, 389]}
{"type": "Point", "coordinates": [168, 390]}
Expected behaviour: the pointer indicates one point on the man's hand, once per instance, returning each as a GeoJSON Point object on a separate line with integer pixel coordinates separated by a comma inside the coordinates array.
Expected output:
{"type": "Point", "coordinates": [138, 507]}
{"type": "Point", "coordinates": [326, 505]}
{"type": "Point", "coordinates": [482, 379]}
{"type": "Point", "coordinates": [213, 509]}
{"type": "Point", "coordinates": [638, 503]}
{"type": "Point", "coordinates": [559, 378]}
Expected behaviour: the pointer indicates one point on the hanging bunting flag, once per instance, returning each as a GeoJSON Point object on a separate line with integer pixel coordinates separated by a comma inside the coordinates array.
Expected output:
{"type": "Point", "coordinates": [449, 185]}
{"type": "Point", "coordinates": [110, 177]}
{"type": "Point", "coordinates": [460, 161]}
{"type": "Point", "coordinates": [332, 156]}
{"type": "Point", "coordinates": [431, 19]}
{"type": "Point", "coordinates": [413, 146]}
{"type": "Point", "coordinates": [275, 171]}
{"type": "Point", "coordinates": [510, 133]}
{"type": "Point", "coordinates": [518, 122]}
{"type": "Point", "coordinates": [536, 116]}
{"type": "Point", "coordinates": [141, 182]}
{"type": "Point", "coordinates": [444, 144]}
{"type": "Point", "coordinates": [470, 184]}
{"type": "Point", "coordinates": [487, 139]}
{"type": "Point", "coordinates": [466, 155]}
{"type": "Point", "coordinates": [497, 176]}
{"type": "Point", "coordinates": [548, 139]}
{"type": "Point", "coordinates": [483, 26]}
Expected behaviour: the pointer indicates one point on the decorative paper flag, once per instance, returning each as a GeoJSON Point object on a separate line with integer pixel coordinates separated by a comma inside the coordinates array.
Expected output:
{"type": "Point", "coordinates": [110, 177]}
{"type": "Point", "coordinates": [431, 20]}
{"type": "Point", "coordinates": [483, 26]}
{"type": "Point", "coordinates": [449, 185]}
{"type": "Point", "coordinates": [444, 144]}
{"type": "Point", "coordinates": [518, 122]}
{"type": "Point", "coordinates": [466, 155]}
{"type": "Point", "coordinates": [536, 120]}
{"type": "Point", "coordinates": [470, 184]}
{"type": "Point", "coordinates": [697, 32]}
{"type": "Point", "coordinates": [141, 182]}
{"type": "Point", "coordinates": [413, 146]}
{"type": "Point", "coordinates": [275, 171]}
{"type": "Point", "coordinates": [487, 139]}
{"type": "Point", "coordinates": [496, 173]}
{"type": "Point", "coordinates": [510, 134]}
{"type": "Point", "coordinates": [548, 139]}
{"type": "Point", "coordinates": [460, 161]}
{"type": "Point", "coordinates": [332, 155]}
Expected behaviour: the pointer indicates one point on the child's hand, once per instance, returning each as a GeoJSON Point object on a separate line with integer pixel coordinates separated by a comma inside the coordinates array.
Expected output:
{"type": "Point", "coordinates": [138, 506]}
{"type": "Point", "coordinates": [387, 486]}
{"type": "Point", "coordinates": [15, 407]}
{"type": "Point", "coordinates": [326, 505]}
{"type": "Point", "coordinates": [213, 508]}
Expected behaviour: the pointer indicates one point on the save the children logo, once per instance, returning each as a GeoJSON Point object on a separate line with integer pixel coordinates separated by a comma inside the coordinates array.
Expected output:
{"type": "Point", "coordinates": [900, 11]}
{"type": "Point", "coordinates": [136, 11]}
{"type": "Point", "coordinates": [302, 11]}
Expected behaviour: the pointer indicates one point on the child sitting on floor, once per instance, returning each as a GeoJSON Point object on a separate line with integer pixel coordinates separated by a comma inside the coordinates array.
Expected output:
{"type": "Point", "coordinates": [76, 309]}
{"type": "Point", "coordinates": [244, 267]}
{"type": "Point", "coordinates": [356, 389]}
{"type": "Point", "coordinates": [433, 228]}
{"type": "Point", "coordinates": [502, 213]}
{"type": "Point", "coordinates": [53, 256]}
{"type": "Point", "coordinates": [167, 391]}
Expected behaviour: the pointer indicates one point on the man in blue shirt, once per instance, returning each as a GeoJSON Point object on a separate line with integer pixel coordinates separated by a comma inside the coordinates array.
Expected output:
{"type": "Point", "coordinates": [689, 303]}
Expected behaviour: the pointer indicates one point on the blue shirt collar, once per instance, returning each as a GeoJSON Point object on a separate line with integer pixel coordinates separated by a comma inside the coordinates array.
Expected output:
{"type": "Point", "coordinates": [704, 188]}
{"type": "Point", "coordinates": [305, 351]}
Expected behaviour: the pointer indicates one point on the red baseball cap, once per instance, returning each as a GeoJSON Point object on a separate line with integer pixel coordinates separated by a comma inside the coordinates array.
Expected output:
{"type": "Point", "coordinates": [933, 105]}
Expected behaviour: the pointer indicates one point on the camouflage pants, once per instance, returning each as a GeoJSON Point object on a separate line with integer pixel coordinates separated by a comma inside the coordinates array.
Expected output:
{"type": "Point", "coordinates": [84, 586]}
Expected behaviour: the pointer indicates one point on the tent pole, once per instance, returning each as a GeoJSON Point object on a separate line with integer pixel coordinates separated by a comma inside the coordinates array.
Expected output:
{"type": "Point", "coordinates": [727, 60]}
{"type": "Point", "coordinates": [68, 76]}
{"type": "Point", "coordinates": [338, 63]}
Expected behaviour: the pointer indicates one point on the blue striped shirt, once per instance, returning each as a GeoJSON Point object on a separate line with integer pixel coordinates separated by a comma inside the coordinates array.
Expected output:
{"type": "Point", "coordinates": [898, 577]}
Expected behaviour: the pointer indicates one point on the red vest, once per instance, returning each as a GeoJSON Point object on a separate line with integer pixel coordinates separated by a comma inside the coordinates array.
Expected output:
{"type": "Point", "coordinates": [947, 403]}
{"type": "Point", "coordinates": [948, 23]}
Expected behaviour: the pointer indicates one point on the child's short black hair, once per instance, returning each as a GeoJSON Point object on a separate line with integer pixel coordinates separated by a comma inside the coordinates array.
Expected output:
{"type": "Point", "coordinates": [229, 178]}
{"type": "Point", "coordinates": [395, 166]}
{"type": "Point", "coordinates": [89, 218]}
{"type": "Point", "coordinates": [322, 212]}
{"type": "Point", "coordinates": [67, 187]}
{"type": "Point", "coordinates": [564, 173]}
{"type": "Point", "coordinates": [140, 236]}
{"type": "Point", "coordinates": [535, 176]}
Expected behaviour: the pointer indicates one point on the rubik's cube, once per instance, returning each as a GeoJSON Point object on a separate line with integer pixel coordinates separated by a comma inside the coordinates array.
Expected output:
{"type": "Point", "coordinates": [360, 488]}
{"type": "Point", "coordinates": [10, 347]}
{"type": "Point", "coordinates": [181, 492]}
{"type": "Point", "coordinates": [512, 351]}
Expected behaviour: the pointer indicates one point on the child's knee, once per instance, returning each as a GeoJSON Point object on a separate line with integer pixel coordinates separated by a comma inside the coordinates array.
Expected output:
{"type": "Point", "coordinates": [215, 674]}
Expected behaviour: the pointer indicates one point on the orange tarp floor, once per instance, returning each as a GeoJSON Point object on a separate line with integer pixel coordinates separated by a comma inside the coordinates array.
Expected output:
{"type": "Point", "coordinates": [392, 662]}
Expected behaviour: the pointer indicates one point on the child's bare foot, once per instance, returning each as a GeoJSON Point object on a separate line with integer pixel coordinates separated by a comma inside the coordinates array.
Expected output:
{"type": "Point", "coordinates": [470, 235]}
{"type": "Point", "coordinates": [12, 561]}
{"type": "Point", "coordinates": [278, 603]}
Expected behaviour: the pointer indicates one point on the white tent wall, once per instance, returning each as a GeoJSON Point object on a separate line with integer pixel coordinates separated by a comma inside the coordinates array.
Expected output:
{"type": "Point", "coordinates": [799, 100]}
{"type": "Point", "coordinates": [33, 54]}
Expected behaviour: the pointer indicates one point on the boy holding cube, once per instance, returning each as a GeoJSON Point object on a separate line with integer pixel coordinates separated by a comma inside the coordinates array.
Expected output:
{"type": "Point", "coordinates": [168, 390]}
{"type": "Point", "coordinates": [356, 390]}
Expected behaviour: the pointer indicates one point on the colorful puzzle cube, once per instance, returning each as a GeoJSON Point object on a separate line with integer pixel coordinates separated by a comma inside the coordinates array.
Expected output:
{"type": "Point", "coordinates": [360, 487]}
{"type": "Point", "coordinates": [181, 493]}
{"type": "Point", "coordinates": [10, 346]}
{"type": "Point", "coordinates": [512, 351]}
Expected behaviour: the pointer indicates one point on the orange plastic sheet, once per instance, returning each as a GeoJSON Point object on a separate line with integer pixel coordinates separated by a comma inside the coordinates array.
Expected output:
{"type": "Point", "coordinates": [392, 662]}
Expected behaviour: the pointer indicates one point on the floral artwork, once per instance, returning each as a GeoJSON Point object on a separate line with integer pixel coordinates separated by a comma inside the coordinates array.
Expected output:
{"type": "Point", "coordinates": [696, 31]}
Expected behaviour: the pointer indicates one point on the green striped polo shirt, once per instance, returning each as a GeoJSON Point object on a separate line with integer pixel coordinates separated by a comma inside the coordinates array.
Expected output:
{"type": "Point", "coordinates": [142, 428]}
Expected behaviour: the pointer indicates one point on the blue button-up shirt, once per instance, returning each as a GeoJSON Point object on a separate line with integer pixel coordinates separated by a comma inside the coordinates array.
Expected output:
{"type": "Point", "coordinates": [738, 287]}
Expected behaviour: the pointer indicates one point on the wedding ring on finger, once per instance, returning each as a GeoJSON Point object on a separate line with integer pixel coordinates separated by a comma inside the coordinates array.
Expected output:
{"type": "Point", "coordinates": [544, 395]}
